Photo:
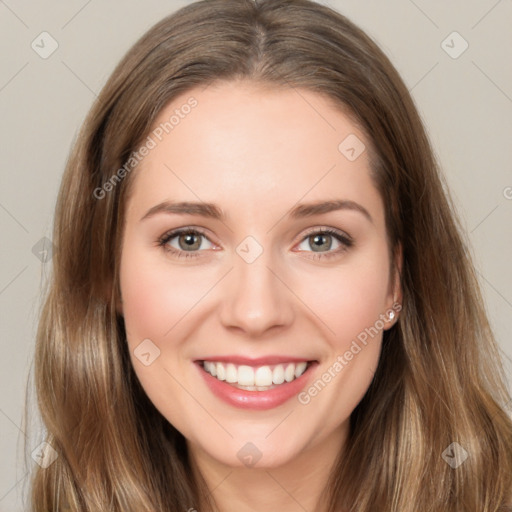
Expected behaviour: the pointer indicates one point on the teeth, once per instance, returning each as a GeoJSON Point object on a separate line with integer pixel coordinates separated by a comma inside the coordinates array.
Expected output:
{"type": "Point", "coordinates": [263, 376]}
{"type": "Point", "coordinates": [255, 379]}
{"type": "Point", "coordinates": [245, 376]}
{"type": "Point", "coordinates": [221, 371]}
{"type": "Point", "coordinates": [278, 374]}
{"type": "Point", "coordinates": [289, 373]}
{"type": "Point", "coordinates": [300, 369]}
{"type": "Point", "coordinates": [231, 373]}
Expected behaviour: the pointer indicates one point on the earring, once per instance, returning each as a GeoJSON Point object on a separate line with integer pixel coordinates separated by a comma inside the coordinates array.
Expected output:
{"type": "Point", "coordinates": [391, 315]}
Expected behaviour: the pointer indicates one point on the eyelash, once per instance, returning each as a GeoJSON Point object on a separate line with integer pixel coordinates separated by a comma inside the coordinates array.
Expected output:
{"type": "Point", "coordinates": [344, 240]}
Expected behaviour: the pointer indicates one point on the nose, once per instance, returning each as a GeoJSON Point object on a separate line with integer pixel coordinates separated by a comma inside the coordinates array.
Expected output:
{"type": "Point", "coordinates": [255, 298]}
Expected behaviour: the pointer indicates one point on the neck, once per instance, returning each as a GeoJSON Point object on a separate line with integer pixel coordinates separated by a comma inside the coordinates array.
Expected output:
{"type": "Point", "coordinates": [300, 484]}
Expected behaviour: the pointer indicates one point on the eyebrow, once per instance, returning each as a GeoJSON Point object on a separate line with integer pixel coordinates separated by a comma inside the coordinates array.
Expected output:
{"type": "Point", "coordinates": [212, 211]}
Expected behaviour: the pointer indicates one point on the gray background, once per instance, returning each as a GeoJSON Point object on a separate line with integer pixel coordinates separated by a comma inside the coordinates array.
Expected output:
{"type": "Point", "coordinates": [466, 103]}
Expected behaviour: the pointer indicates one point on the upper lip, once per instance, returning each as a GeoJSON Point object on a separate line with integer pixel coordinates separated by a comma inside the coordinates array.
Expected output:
{"type": "Point", "coordinates": [258, 361]}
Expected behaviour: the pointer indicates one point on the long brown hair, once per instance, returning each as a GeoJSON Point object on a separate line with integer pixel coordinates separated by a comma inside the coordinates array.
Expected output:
{"type": "Point", "coordinates": [439, 379]}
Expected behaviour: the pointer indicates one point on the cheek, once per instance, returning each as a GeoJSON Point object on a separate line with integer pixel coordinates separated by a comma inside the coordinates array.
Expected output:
{"type": "Point", "coordinates": [156, 296]}
{"type": "Point", "coordinates": [350, 302]}
{"type": "Point", "coordinates": [350, 298]}
{"type": "Point", "coordinates": [155, 299]}
{"type": "Point", "coordinates": [144, 299]}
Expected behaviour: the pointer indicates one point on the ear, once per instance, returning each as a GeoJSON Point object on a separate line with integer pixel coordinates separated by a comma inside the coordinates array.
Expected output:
{"type": "Point", "coordinates": [395, 288]}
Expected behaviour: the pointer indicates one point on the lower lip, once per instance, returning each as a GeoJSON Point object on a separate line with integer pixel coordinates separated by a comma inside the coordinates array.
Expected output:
{"type": "Point", "coordinates": [256, 400]}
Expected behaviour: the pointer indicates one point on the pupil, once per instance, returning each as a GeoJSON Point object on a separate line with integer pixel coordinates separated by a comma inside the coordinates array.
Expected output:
{"type": "Point", "coordinates": [320, 238]}
{"type": "Point", "coordinates": [318, 241]}
{"type": "Point", "coordinates": [189, 240]}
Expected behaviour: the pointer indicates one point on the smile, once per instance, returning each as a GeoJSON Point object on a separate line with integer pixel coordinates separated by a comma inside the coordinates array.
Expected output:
{"type": "Point", "coordinates": [259, 378]}
{"type": "Point", "coordinates": [256, 386]}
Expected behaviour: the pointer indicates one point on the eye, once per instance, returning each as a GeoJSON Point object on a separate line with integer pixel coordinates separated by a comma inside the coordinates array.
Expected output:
{"type": "Point", "coordinates": [188, 242]}
{"type": "Point", "coordinates": [183, 242]}
{"type": "Point", "coordinates": [321, 241]}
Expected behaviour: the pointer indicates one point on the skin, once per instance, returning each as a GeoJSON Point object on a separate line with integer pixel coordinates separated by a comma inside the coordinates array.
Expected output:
{"type": "Point", "coordinates": [256, 153]}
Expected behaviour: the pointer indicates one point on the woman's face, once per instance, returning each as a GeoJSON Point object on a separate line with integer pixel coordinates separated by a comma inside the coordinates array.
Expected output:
{"type": "Point", "coordinates": [225, 259]}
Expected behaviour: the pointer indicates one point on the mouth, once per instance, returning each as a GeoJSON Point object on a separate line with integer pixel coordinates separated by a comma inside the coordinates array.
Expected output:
{"type": "Point", "coordinates": [249, 384]}
{"type": "Point", "coordinates": [255, 378]}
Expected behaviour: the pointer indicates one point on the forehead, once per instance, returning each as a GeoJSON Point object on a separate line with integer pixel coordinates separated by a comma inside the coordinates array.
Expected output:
{"type": "Point", "coordinates": [252, 148]}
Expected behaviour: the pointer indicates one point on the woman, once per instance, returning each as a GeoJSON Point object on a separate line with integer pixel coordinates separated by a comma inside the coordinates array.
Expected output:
{"type": "Point", "coordinates": [193, 352]}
